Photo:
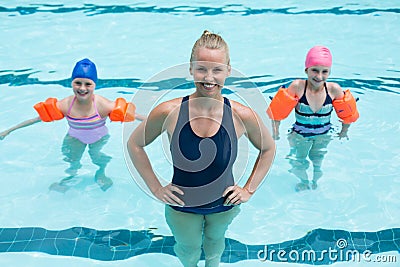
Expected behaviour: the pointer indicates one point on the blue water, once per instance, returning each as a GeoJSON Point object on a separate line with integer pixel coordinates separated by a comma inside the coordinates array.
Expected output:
{"type": "Point", "coordinates": [141, 50]}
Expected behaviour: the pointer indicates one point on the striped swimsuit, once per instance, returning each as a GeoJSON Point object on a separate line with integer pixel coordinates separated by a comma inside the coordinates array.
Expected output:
{"type": "Point", "coordinates": [310, 123]}
{"type": "Point", "coordinates": [88, 130]}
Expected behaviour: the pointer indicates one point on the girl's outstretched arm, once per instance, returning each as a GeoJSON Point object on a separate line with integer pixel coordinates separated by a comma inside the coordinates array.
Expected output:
{"type": "Point", "coordinates": [140, 117]}
{"type": "Point", "coordinates": [23, 124]}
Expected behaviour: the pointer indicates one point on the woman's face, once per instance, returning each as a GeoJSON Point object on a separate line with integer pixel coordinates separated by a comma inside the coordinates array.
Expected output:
{"type": "Point", "coordinates": [209, 70]}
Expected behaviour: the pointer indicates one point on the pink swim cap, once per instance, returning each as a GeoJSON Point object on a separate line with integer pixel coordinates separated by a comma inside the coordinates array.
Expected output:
{"type": "Point", "coordinates": [319, 55]}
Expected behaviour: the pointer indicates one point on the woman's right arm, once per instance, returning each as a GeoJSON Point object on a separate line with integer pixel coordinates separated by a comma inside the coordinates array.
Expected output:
{"type": "Point", "coordinates": [144, 134]}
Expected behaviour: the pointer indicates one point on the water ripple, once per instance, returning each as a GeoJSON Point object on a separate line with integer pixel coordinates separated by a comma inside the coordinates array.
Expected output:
{"type": "Point", "coordinates": [265, 83]}
{"type": "Point", "coordinates": [231, 9]}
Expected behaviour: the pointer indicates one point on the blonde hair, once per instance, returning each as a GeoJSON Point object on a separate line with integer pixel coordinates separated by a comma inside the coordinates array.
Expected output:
{"type": "Point", "coordinates": [212, 41]}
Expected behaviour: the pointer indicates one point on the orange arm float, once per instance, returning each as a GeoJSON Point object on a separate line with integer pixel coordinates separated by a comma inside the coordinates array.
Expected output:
{"type": "Point", "coordinates": [281, 105]}
{"type": "Point", "coordinates": [123, 111]}
{"type": "Point", "coordinates": [346, 108]}
{"type": "Point", "coordinates": [48, 110]}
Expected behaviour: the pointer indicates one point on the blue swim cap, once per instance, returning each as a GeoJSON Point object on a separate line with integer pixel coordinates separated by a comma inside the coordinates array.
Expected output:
{"type": "Point", "coordinates": [85, 69]}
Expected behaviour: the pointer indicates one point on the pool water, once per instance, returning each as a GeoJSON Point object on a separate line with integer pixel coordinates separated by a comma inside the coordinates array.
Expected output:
{"type": "Point", "coordinates": [356, 201]}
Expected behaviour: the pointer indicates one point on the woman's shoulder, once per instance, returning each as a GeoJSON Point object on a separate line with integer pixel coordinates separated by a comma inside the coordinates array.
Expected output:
{"type": "Point", "coordinates": [166, 107]}
{"type": "Point", "coordinates": [170, 104]}
{"type": "Point", "coordinates": [245, 118]}
{"type": "Point", "coordinates": [237, 106]}
{"type": "Point", "coordinates": [243, 111]}
{"type": "Point", "coordinates": [164, 114]}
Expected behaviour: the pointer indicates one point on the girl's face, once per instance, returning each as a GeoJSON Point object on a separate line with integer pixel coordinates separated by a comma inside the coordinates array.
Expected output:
{"type": "Point", "coordinates": [210, 70]}
{"type": "Point", "coordinates": [83, 88]}
{"type": "Point", "coordinates": [317, 75]}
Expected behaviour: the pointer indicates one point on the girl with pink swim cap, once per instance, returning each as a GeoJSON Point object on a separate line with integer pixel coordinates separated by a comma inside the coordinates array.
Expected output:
{"type": "Point", "coordinates": [86, 114]}
{"type": "Point", "coordinates": [313, 100]}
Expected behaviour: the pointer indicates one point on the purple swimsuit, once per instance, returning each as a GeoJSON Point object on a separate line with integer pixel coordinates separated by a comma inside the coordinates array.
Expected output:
{"type": "Point", "coordinates": [88, 130]}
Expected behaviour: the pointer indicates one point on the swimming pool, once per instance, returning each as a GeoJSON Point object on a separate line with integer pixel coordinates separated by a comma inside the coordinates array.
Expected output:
{"type": "Point", "coordinates": [356, 202]}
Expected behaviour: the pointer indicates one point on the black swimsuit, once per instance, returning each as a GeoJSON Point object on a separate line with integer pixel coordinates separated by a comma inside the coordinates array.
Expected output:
{"type": "Point", "coordinates": [203, 165]}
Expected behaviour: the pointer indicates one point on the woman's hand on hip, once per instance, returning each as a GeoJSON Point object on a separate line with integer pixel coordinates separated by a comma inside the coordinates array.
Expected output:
{"type": "Point", "coordinates": [235, 195]}
{"type": "Point", "coordinates": [166, 194]}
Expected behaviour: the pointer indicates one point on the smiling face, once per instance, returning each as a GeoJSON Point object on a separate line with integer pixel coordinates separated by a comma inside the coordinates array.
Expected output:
{"type": "Point", "coordinates": [209, 69]}
{"type": "Point", "coordinates": [83, 88]}
{"type": "Point", "coordinates": [317, 75]}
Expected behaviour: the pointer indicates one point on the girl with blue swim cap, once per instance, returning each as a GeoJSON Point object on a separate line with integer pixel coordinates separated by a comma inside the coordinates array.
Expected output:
{"type": "Point", "coordinates": [86, 114]}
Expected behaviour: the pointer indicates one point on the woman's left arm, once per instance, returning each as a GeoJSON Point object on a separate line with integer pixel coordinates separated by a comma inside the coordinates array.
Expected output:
{"type": "Point", "coordinates": [259, 136]}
